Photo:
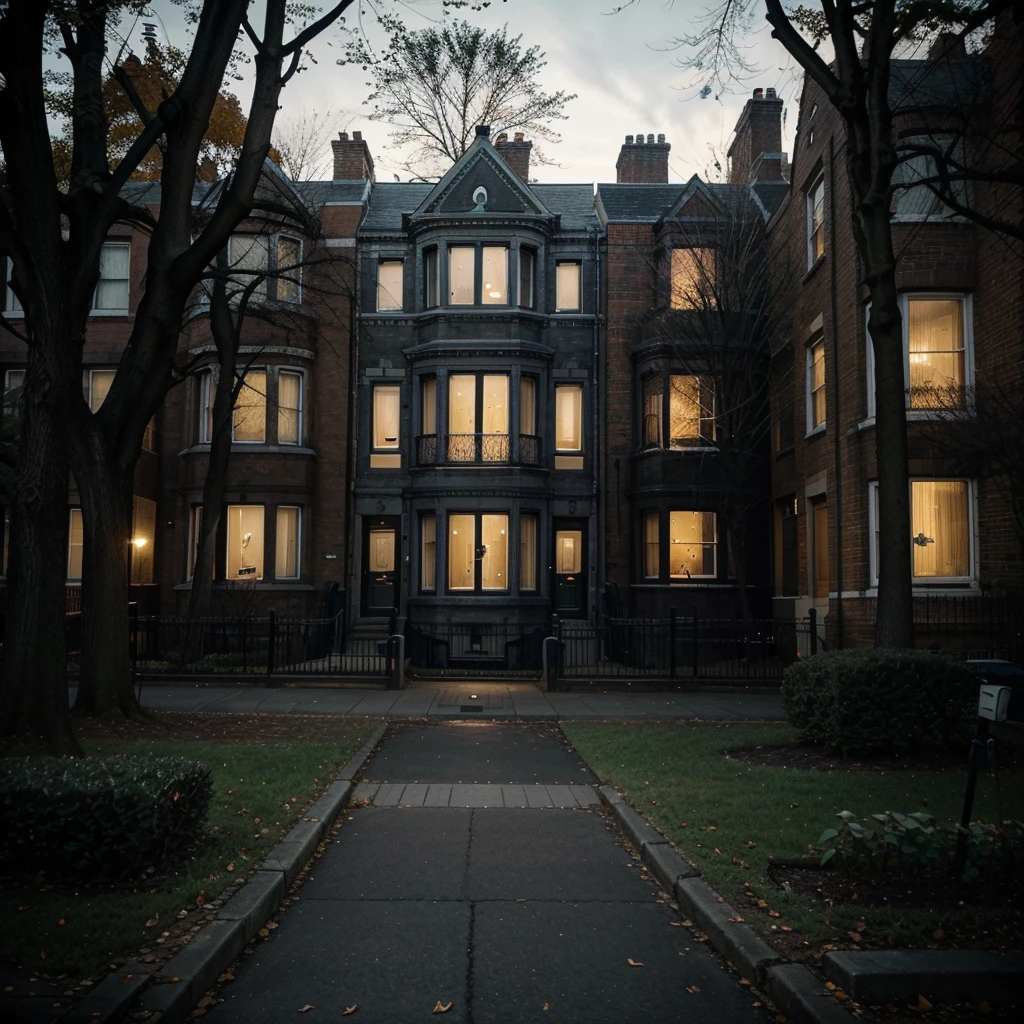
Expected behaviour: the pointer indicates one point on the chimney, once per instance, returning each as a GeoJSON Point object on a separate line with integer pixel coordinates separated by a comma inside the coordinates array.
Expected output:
{"type": "Point", "coordinates": [352, 160]}
{"type": "Point", "coordinates": [515, 153]}
{"type": "Point", "coordinates": [756, 151]}
{"type": "Point", "coordinates": [643, 161]}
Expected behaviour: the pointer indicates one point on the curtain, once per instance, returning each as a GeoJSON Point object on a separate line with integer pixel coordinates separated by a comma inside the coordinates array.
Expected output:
{"type": "Point", "coordinates": [75, 544]}
{"type": "Point", "coordinates": [693, 278]}
{"type": "Point", "coordinates": [528, 551]}
{"type": "Point", "coordinates": [289, 387]}
{"type": "Point", "coordinates": [249, 419]}
{"type": "Point", "coordinates": [495, 280]}
{"type": "Point", "coordinates": [935, 343]}
{"type": "Point", "coordinates": [248, 255]}
{"type": "Point", "coordinates": [494, 564]}
{"type": "Point", "coordinates": [112, 287]}
{"type": "Point", "coordinates": [940, 527]}
{"type": "Point", "coordinates": [386, 401]}
{"type": "Point", "coordinates": [652, 409]}
{"type": "Point", "coordinates": [286, 565]}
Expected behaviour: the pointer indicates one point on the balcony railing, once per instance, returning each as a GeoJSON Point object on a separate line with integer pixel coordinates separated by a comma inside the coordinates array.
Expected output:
{"type": "Point", "coordinates": [479, 449]}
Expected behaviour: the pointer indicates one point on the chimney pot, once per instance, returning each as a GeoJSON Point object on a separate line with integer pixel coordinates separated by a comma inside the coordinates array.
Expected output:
{"type": "Point", "coordinates": [770, 93]}
{"type": "Point", "coordinates": [357, 136]}
{"type": "Point", "coordinates": [503, 137]}
{"type": "Point", "coordinates": [518, 136]}
{"type": "Point", "coordinates": [629, 140]}
{"type": "Point", "coordinates": [650, 140]}
{"type": "Point", "coordinates": [483, 130]}
{"type": "Point", "coordinates": [661, 140]}
{"type": "Point", "coordinates": [759, 94]}
{"type": "Point", "coordinates": [343, 136]}
{"type": "Point", "coordinates": [640, 139]}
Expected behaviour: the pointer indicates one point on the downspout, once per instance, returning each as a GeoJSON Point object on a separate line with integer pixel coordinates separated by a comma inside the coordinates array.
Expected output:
{"type": "Point", "coordinates": [354, 597]}
{"type": "Point", "coordinates": [597, 541]}
{"type": "Point", "coordinates": [838, 435]}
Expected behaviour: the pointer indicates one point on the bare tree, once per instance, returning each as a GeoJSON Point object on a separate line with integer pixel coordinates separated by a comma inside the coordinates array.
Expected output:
{"type": "Point", "coordinates": [864, 39]}
{"type": "Point", "coordinates": [303, 142]}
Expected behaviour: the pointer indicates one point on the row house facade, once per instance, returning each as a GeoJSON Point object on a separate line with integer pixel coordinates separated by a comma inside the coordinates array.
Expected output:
{"type": "Point", "coordinates": [960, 292]}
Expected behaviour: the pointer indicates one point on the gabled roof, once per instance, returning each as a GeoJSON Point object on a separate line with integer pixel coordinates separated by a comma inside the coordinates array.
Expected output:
{"type": "Point", "coordinates": [389, 201]}
{"type": "Point", "coordinates": [648, 204]}
{"type": "Point", "coordinates": [481, 165]}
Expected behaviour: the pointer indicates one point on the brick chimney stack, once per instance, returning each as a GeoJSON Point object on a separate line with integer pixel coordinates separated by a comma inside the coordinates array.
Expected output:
{"type": "Point", "coordinates": [643, 162]}
{"type": "Point", "coordinates": [516, 153]}
{"type": "Point", "coordinates": [352, 160]}
{"type": "Point", "coordinates": [756, 151]}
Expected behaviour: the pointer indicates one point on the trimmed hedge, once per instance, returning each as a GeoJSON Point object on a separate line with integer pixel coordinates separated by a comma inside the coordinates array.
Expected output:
{"type": "Point", "coordinates": [98, 819]}
{"type": "Point", "coordinates": [880, 700]}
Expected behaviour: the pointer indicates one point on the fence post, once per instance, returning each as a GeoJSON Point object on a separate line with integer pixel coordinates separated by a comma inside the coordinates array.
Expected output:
{"type": "Point", "coordinates": [549, 662]}
{"type": "Point", "coordinates": [394, 661]}
{"type": "Point", "coordinates": [133, 646]}
{"type": "Point", "coordinates": [695, 653]}
{"type": "Point", "coordinates": [672, 643]}
{"type": "Point", "coordinates": [271, 639]}
{"type": "Point", "coordinates": [812, 620]}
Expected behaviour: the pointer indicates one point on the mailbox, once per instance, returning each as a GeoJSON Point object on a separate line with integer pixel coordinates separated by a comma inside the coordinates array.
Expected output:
{"type": "Point", "coordinates": [993, 702]}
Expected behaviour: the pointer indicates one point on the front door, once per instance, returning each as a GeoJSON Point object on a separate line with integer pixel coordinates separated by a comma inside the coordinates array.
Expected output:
{"type": "Point", "coordinates": [380, 566]}
{"type": "Point", "coordinates": [570, 577]}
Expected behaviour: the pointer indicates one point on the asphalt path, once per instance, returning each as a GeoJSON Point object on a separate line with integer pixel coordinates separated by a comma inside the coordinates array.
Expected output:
{"type": "Point", "coordinates": [491, 914]}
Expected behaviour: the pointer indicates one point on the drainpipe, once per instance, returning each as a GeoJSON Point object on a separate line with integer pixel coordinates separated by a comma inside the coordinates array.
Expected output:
{"type": "Point", "coordinates": [351, 585]}
{"type": "Point", "coordinates": [597, 534]}
{"type": "Point", "coordinates": [838, 434]}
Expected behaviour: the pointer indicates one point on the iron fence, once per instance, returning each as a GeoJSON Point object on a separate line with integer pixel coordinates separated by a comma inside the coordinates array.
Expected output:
{"type": "Point", "coordinates": [487, 647]}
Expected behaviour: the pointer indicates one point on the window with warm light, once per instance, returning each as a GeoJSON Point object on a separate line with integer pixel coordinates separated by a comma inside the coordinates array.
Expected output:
{"type": "Point", "coordinates": [528, 522]}
{"type": "Point", "coordinates": [428, 552]}
{"type": "Point", "coordinates": [245, 539]}
{"type": "Point", "coordinates": [482, 400]}
{"type": "Point", "coordinates": [686, 402]}
{"type": "Point", "coordinates": [816, 221]}
{"type": "Point", "coordinates": [389, 285]}
{"type": "Point", "coordinates": [387, 401]}
{"type": "Point", "coordinates": [567, 287]}
{"type": "Point", "coordinates": [289, 537]}
{"type": "Point", "coordinates": [76, 544]}
{"type": "Point", "coordinates": [935, 353]}
{"type": "Point", "coordinates": [494, 283]}
{"type": "Point", "coordinates": [693, 545]}
{"type": "Point", "coordinates": [249, 417]}
{"type": "Point", "coordinates": [140, 552]}
{"type": "Point", "coordinates": [289, 407]}
{"type": "Point", "coordinates": [477, 551]}
{"type": "Point", "coordinates": [693, 279]}
{"type": "Point", "coordinates": [815, 385]}
{"type": "Point", "coordinates": [99, 387]}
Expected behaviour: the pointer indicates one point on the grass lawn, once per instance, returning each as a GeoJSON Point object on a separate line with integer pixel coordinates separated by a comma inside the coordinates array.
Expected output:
{"type": "Point", "coordinates": [739, 816]}
{"type": "Point", "coordinates": [260, 789]}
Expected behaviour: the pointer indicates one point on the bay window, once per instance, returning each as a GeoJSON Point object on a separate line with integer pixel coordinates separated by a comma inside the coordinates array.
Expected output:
{"type": "Point", "coordinates": [478, 275]}
{"type": "Point", "coordinates": [244, 556]}
{"type": "Point", "coordinates": [686, 403]}
{"type": "Point", "coordinates": [273, 260]}
{"type": "Point", "coordinates": [693, 545]}
{"type": "Point", "coordinates": [249, 417]}
{"type": "Point", "coordinates": [477, 551]}
{"type": "Point", "coordinates": [473, 400]}
{"type": "Point", "coordinates": [289, 407]}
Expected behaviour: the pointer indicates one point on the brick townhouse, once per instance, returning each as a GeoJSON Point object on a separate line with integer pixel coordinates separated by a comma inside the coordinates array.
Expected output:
{"type": "Point", "coordinates": [961, 301]}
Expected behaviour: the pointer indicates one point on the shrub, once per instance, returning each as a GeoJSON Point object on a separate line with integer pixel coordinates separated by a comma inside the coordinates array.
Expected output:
{"type": "Point", "coordinates": [914, 843]}
{"type": "Point", "coordinates": [99, 819]}
{"type": "Point", "coordinates": [868, 700]}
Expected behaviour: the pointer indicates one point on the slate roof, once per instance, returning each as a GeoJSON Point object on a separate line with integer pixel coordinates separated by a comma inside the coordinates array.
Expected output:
{"type": "Point", "coordinates": [389, 200]}
{"type": "Point", "coordinates": [944, 83]}
{"type": "Point", "coordinates": [647, 204]}
{"type": "Point", "coordinates": [574, 202]}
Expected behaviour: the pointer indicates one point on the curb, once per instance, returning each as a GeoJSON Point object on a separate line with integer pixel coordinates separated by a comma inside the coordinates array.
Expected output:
{"type": "Point", "coordinates": [176, 988]}
{"type": "Point", "coordinates": [792, 987]}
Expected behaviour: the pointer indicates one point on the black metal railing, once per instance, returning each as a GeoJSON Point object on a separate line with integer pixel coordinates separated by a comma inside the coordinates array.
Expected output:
{"type": "Point", "coordinates": [498, 647]}
{"type": "Point", "coordinates": [459, 449]}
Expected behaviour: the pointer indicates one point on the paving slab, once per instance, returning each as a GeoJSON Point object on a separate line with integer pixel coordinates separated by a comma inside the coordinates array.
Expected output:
{"type": "Point", "coordinates": [560, 962]}
{"type": "Point", "coordinates": [393, 959]}
{"type": "Point", "coordinates": [413, 853]}
{"type": "Point", "coordinates": [477, 754]}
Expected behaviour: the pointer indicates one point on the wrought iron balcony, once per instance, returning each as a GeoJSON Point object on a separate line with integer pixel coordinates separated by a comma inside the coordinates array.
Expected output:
{"type": "Point", "coordinates": [475, 449]}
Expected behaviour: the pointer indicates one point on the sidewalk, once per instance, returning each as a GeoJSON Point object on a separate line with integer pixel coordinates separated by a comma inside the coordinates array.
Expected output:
{"type": "Point", "coordinates": [513, 701]}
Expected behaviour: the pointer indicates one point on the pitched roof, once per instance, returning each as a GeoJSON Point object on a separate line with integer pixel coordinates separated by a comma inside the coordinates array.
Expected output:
{"type": "Point", "coordinates": [648, 204]}
{"type": "Point", "coordinates": [389, 200]}
{"type": "Point", "coordinates": [915, 84]}
{"type": "Point", "coordinates": [574, 202]}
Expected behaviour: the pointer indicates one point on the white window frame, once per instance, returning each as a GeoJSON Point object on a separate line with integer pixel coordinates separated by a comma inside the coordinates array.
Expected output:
{"type": "Point", "coordinates": [293, 371]}
{"type": "Point", "coordinates": [814, 228]}
{"type": "Point", "coordinates": [12, 304]}
{"type": "Point", "coordinates": [920, 582]}
{"type": "Point", "coordinates": [11, 406]}
{"type": "Point", "coordinates": [811, 426]}
{"type": "Point", "coordinates": [266, 404]}
{"type": "Point", "coordinates": [966, 300]}
{"type": "Point", "coordinates": [112, 310]}
{"type": "Point", "coordinates": [678, 578]}
{"type": "Point", "coordinates": [298, 542]}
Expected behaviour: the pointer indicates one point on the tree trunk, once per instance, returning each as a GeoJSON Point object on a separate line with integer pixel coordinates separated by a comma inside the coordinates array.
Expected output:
{"type": "Point", "coordinates": [33, 682]}
{"type": "Point", "coordinates": [105, 681]}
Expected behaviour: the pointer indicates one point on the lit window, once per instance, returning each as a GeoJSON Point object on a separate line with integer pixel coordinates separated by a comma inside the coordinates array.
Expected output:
{"type": "Point", "coordinates": [428, 400]}
{"type": "Point", "coordinates": [652, 545]}
{"type": "Point", "coordinates": [99, 387]}
{"type": "Point", "coordinates": [249, 419]}
{"type": "Point", "coordinates": [567, 287]}
{"type": "Point", "coordinates": [482, 400]}
{"type": "Point", "coordinates": [816, 222]}
{"type": "Point", "coordinates": [140, 549]}
{"type": "Point", "coordinates": [691, 411]}
{"type": "Point", "coordinates": [527, 272]}
{"type": "Point", "coordinates": [289, 255]}
{"type": "Point", "coordinates": [289, 407]}
{"type": "Point", "coordinates": [461, 261]}
{"type": "Point", "coordinates": [14, 381]}
{"type": "Point", "coordinates": [473, 566]}
{"type": "Point", "coordinates": [653, 398]}
{"type": "Point", "coordinates": [111, 295]}
{"type": "Point", "coordinates": [76, 543]}
{"type": "Point", "coordinates": [386, 410]}
{"type": "Point", "coordinates": [528, 405]}
{"type": "Point", "coordinates": [815, 384]}
{"type": "Point", "coordinates": [289, 526]}
{"type": "Point", "coordinates": [935, 348]}
{"type": "Point", "coordinates": [245, 542]}
{"type": "Point", "coordinates": [693, 279]}
{"type": "Point", "coordinates": [428, 552]}
{"type": "Point", "coordinates": [389, 285]}
{"type": "Point", "coordinates": [569, 418]}
{"type": "Point", "coordinates": [494, 290]}
{"type": "Point", "coordinates": [693, 545]}
{"type": "Point", "coordinates": [528, 551]}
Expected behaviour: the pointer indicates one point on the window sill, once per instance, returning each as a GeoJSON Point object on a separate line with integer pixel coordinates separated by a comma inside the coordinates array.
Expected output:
{"type": "Point", "coordinates": [817, 431]}
{"type": "Point", "coordinates": [812, 268]}
{"type": "Point", "coordinates": [262, 585]}
{"type": "Point", "coordinates": [109, 312]}
{"type": "Point", "coordinates": [203, 448]}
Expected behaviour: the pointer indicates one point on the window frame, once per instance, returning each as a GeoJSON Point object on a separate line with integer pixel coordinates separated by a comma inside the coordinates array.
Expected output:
{"type": "Point", "coordinates": [477, 517]}
{"type": "Point", "coordinates": [389, 454]}
{"type": "Point", "coordinates": [815, 229]}
{"type": "Point", "coordinates": [257, 577]}
{"type": "Point", "coordinates": [428, 553]}
{"type": "Point", "coordinates": [483, 452]}
{"type": "Point", "coordinates": [559, 307]}
{"type": "Point", "coordinates": [93, 371]}
{"type": "Point", "coordinates": [527, 275]}
{"type": "Point", "coordinates": [95, 310]}
{"type": "Point", "coordinates": [12, 304]}
{"type": "Point", "coordinates": [966, 300]}
{"type": "Point", "coordinates": [297, 575]}
{"type": "Point", "coordinates": [390, 261]}
{"type": "Point", "coordinates": [291, 371]}
{"type": "Point", "coordinates": [659, 548]}
{"type": "Point", "coordinates": [580, 419]}
{"type": "Point", "coordinates": [431, 277]}
{"type": "Point", "coordinates": [525, 559]}
{"type": "Point", "coordinates": [699, 293]}
{"type": "Point", "coordinates": [706, 440]}
{"type": "Point", "coordinates": [12, 407]}
{"type": "Point", "coordinates": [812, 391]}
{"type": "Point", "coordinates": [969, 581]}
{"type": "Point", "coordinates": [266, 403]}
{"type": "Point", "coordinates": [72, 544]}
{"type": "Point", "coordinates": [296, 270]}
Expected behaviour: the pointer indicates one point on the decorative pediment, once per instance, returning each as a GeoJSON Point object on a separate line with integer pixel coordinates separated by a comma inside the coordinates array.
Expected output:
{"type": "Point", "coordinates": [697, 201]}
{"type": "Point", "coordinates": [481, 183]}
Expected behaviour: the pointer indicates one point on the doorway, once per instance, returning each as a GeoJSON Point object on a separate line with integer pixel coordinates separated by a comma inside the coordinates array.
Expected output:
{"type": "Point", "coordinates": [381, 561]}
{"type": "Point", "coordinates": [569, 564]}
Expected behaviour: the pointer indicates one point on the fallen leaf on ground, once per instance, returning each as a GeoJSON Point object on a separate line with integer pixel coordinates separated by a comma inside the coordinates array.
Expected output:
{"type": "Point", "coordinates": [692, 989]}
{"type": "Point", "coordinates": [349, 1010]}
{"type": "Point", "coordinates": [306, 1008]}
{"type": "Point", "coordinates": [226, 976]}
{"type": "Point", "coordinates": [634, 963]}
{"type": "Point", "coordinates": [923, 1005]}
{"type": "Point", "coordinates": [442, 1007]}
{"type": "Point", "coordinates": [545, 1006]}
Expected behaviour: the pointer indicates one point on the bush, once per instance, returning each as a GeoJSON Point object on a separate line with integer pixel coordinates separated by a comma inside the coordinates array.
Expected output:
{"type": "Point", "coordinates": [913, 843]}
{"type": "Point", "coordinates": [98, 819]}
{"type": "Point", "coordinates": [868, 700]}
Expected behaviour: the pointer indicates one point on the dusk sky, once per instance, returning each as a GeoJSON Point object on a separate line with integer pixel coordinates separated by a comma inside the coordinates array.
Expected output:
{"type": "Point", "coordinates": [626, 78]}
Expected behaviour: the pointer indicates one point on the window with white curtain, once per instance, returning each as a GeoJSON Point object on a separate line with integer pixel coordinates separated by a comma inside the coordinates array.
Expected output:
{"type": "Point", "coordinates": [207, 389]}
{"type": "Point", "coordinates": [249, 418]}
{"type": "Point", "coordinates": [245, 539]}
{"type": "Point", "coordinates": [289, 532]}
{"type": "Point", "coordinates": [289, 407]}
{"type": "Point", "coordinates": [428, 552]}
{"type": "Point", "coordinates": [528, 551]}
{"type": "Point", "coordinates": [111, 294]}
{"type": "Point", "coordinates": [941, 529]}
{"type": "Point", "coordinates": [912, 199]}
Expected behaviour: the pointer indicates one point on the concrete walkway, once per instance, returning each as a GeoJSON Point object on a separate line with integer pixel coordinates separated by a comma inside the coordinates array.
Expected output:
{"type": "Point", "coordinates": [521, 701]}
{"type": "Point", "coordinates": [493, 911]}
